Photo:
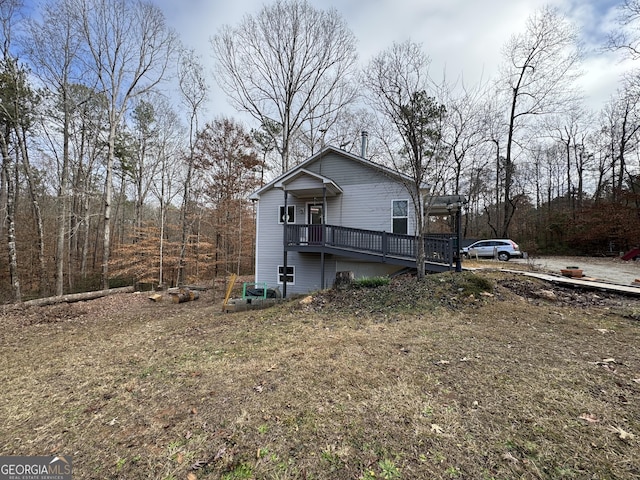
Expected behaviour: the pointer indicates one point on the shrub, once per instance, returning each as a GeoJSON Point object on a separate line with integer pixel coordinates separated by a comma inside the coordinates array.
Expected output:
{"type": "Point", "coordinates": [371, 282]}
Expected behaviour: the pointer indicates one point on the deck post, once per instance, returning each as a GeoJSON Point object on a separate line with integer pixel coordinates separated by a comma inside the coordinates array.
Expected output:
{"type": "Point", "coordinates": [285, 221]}
{"type": "Point", "coordinates": [458, 237]}
{"type": "Point", "coordinates": [324, 234]}
{"type": "Point", "coordinates": [385, 245]}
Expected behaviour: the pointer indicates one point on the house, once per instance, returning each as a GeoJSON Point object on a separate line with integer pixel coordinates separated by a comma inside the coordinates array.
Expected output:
{"type": "Point", "coordinates": [337, 212]}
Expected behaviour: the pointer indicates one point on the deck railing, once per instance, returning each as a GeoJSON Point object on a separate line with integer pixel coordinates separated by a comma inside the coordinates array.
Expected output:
{"type": "Point", "coordinates": [438, 249]}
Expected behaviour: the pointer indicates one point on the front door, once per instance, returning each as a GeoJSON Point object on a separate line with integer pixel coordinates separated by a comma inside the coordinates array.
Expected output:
{"type": "Point", "coordinates": [316, 221]}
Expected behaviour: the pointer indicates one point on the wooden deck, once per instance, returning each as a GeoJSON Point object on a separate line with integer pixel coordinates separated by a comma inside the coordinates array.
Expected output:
{"type": "Point", "coordinates": [371, 245]}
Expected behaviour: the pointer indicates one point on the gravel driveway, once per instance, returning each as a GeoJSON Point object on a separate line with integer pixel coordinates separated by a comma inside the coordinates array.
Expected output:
{"type": "Point", "coordinates": [611, 270]}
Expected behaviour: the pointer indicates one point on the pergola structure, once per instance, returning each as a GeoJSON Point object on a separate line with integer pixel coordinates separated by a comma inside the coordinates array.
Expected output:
{"type": "Point", "coordinates": [449, 205]}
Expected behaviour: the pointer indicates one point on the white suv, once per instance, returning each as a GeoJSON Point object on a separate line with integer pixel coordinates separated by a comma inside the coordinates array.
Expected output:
{"type": "Point", "coordinates": [502, 249]}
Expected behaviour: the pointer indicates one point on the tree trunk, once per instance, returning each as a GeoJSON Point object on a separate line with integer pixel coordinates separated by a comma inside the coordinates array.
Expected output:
{"type": "Point", "coordinates": [184, 220]}
{"type": "Point", "coordinates": [108, 193]}
{"type": "Point", "coordinates": [35, 205]}
{"type": "Point", "coordinates": [75, 297]}
{"type": "Point", "coordinates": [9, 169]}
{"type": "Point", "coordinates": [62, 199]}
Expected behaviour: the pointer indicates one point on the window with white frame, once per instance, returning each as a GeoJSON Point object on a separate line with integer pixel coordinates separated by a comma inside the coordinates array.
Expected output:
{"type": "Point", "coordinates": [291, 214]}
{"type": "Point", "coordinates": [291, 274]}
{"type": "Point", "coordinates": [400, 216]}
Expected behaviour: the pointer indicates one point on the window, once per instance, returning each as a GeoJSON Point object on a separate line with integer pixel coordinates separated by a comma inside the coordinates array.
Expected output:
{"type": "Point", "coordinates": [400, 216]}
{"type": "Point", "coordinates": [291, 214]}
{"type": "Point", "coordinates": [291, 274]}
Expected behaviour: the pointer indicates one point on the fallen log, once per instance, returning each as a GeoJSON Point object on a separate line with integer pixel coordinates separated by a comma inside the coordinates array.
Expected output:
{"type": "Point", "coordinates": [75, 297]}
{"type": "Point", "coordinates": [184, 295]}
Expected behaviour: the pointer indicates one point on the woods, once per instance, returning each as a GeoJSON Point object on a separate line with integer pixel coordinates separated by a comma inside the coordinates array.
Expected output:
{"type": "Point", "coordinates": [113, 173]}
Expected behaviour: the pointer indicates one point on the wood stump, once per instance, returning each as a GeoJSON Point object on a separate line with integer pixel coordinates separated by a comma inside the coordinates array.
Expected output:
{"type": "Point", "coordinates": [343, 279]}
{"type": "Point", "coordinates": [184, 295]}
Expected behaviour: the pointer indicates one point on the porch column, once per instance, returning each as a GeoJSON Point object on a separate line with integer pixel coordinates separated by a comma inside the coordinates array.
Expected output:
{"type": "Point", "coordinates": [458, 238]}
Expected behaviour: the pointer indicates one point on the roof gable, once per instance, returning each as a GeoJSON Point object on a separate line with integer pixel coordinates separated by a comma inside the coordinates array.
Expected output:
{"type": "Point", "coordinates": [305, 169]}
{"type": "Point", "coordinates": [307, 183]}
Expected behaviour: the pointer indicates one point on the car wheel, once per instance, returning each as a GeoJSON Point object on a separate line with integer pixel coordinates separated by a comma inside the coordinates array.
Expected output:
{"type": "Point", "coordinates": [503, 256]}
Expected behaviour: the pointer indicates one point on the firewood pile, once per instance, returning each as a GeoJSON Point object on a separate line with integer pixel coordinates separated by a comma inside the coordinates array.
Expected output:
{"type": "Point", "coordinates": [178, 295]}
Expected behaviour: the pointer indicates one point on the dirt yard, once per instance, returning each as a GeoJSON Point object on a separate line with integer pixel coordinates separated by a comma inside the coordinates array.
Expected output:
{"type": "Point", "coordinates": [483, 375]}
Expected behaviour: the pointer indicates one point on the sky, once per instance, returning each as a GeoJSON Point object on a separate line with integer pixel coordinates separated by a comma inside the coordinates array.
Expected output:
{"type": "Point", "coordinates": [463, 38]}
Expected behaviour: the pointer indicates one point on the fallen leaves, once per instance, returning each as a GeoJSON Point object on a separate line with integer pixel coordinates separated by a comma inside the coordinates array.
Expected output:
{"type": "Point", "coordinates": [608, 364]}
{"type": "Point", "coordinates": [436, 428]}
{"type": "Point", "coordinates": [604, 330]}
{"type": "Point", "coordinates": [306, 300]}
{"type": "Point", "coordinates": [203, 463]}
{"type": "Point", "coordinates": [589, 418]}
{"type": "Point", "coordinates": [509, 457]}
{"type": "Point", "coordinates": [622, 434]}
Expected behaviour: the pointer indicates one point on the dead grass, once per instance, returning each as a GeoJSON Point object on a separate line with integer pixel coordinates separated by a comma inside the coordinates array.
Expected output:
{"type": "Point", "coordinates": [470, 376]}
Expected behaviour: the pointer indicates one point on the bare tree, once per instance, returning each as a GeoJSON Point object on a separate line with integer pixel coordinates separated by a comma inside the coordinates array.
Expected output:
{"type": "Point", "coordinates": [399, 82]}
{"type": "Point", "coordinates": [193, 88]}
{"type": "Point", "coordinates": [621, 126]}
{"type": "Point", "coordinates": [164, 185]}
{"type": "Point", "coordinates": [571, 130]}
{"type": "Point", "coordinates": [465, 128]}
{"type": "Point", "coordinates": [88, 127]}
{"type": "Point", "coordinates": [129, 46]}
{"type": "Point", "coordinates": [143, 162]}
{"type": "Point", "coordinates": [626, 37]}
{"type": "Point", "coordinates": [52, 45]}
{"type": "Point", "coordinates": [538, 74]}
{"type": "Point", "coordinates": [290, 64]}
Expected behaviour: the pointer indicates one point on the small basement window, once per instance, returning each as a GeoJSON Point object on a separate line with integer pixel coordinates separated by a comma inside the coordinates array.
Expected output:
{"type": "Point", "coordinates": [291, 274]}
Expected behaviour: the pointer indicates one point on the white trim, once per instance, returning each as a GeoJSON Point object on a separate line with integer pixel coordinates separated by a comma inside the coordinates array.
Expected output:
{"type": "Point", "coordinates": [393, 217]}
{"type": "Point", "coordinates": [288, 207]}
{"type": "Point", "coordinates": [307, 220]}
{"type": "Point", "coordinates": [293, 274]}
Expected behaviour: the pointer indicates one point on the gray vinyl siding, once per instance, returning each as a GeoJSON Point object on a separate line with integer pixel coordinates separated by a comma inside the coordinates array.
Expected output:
{"type": "Point", "coordinates": [346, 172]}
{"type": "Point", "coordinates": [269, 248]}
{"type": "Point", "coordinates": [368, 207]}
{"type": "Point", "coordinates": [302, 183]}
{"type": "Point", "coordinates": [364, 203]}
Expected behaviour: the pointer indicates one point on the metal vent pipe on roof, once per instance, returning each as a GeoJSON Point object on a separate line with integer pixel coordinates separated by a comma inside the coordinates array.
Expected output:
{"type": "Point", "coordinates": [365, 139]}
